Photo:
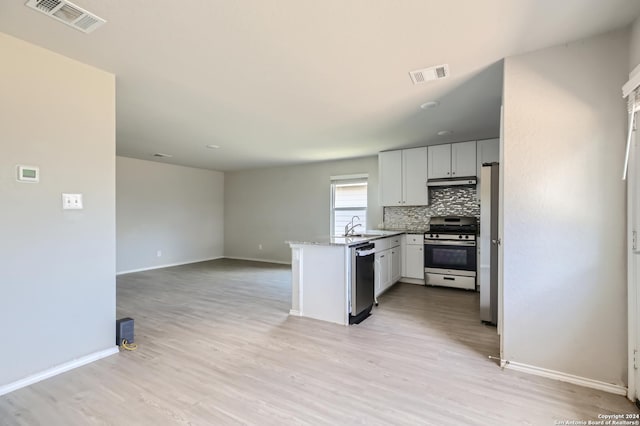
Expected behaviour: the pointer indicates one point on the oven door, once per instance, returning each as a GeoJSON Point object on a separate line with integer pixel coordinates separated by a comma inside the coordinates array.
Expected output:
{"type": "Point", "coordinates": [450, 255]}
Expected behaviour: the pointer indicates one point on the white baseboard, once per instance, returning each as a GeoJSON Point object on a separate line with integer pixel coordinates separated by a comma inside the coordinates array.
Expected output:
{"type": "Point", "coordinates": [58, 369]}
{"type": "Point", "coordinates": [168, 265]}
{"type": "Point", "coordinates": [251, 259]}
{"type": "Point", "coordinates": [564, 377]}
{"type": "Point", "coordinates": [412, 281]}
{"type": "Point", "coordinates": [295, 312]}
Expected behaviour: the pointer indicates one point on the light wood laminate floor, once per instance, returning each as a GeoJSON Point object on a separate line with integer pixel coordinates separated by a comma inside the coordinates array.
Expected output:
{"type": "Point", "coordinates": [217, 347]}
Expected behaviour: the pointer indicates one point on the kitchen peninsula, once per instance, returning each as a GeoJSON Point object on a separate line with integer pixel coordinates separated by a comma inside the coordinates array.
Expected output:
{"type": "Point", "coordinates": [322, 273]}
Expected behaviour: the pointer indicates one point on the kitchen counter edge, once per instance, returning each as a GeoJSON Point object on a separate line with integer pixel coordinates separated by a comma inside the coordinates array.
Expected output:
{"type": "Point", "coordinates": [348, 241]}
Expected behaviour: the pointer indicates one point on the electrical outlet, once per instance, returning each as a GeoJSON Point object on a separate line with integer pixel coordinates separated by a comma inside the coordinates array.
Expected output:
{"type": "Point", "coordinates": [72, 201]}
{"type": "Point", "coordinates": [159, 253]}
{"type": "Point", "coordinates": [259, 246]}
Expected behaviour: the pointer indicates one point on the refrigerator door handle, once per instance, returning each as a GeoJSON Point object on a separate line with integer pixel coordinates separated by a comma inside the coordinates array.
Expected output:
{"type": "Point", "coordinates": [496, 242]}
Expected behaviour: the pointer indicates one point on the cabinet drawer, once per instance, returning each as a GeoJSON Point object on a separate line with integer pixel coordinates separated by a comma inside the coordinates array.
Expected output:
{"type": "Point", "coordinates": [382, 244]}
{"type": "Point", "coordinates": [394, 241]}
{"type": "Point", "coordinates": [415, 239]}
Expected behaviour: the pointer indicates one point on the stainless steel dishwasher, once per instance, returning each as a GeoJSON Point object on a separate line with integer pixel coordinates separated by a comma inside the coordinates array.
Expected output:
{"type": "Point", "coordinates": [362, 284]}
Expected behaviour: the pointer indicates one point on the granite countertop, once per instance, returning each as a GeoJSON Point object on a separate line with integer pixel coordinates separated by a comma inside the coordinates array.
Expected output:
{"type": "Point", "coordinates": [368, 235]}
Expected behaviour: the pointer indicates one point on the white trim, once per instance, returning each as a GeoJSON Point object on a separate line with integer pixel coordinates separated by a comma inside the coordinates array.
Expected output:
{"type": "Point", "coordinates": [634, 81]}
{"type": "Point", "coordinates": [295, 312]}
{"type": "Point", "coordinates": [252, 259]}
{"type": "Point", "coordinates": [58, 369]}
{"type": "Point", "coordinates": [632, 273]}
{"type": "Point", "coordinates": [632, 115]}
{"type": "Point", "coordinates": [168, 265]}
{"type": "Point", "coordinates": [350, 177]}
{"type": "Point", "coordinates": [407, 280]}
{"type": "Point", "coordinates": [564, 377]}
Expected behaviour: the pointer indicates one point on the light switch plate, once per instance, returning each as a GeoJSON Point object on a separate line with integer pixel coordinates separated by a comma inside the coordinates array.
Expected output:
{"type": "Point", "coordinates": [72, 201]}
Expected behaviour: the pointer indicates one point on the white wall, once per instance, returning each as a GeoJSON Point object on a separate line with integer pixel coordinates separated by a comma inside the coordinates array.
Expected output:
{"type": "Point", "coordinates": [564, 208]}
{"type": "Point", "coordinates": [634, 45]}
{"type": "Point", "coordinates": [269, 206]}
{"type": "Point", "coordinates": [57, 284]}
{"type": "Point", "coordinates": [177, 210]}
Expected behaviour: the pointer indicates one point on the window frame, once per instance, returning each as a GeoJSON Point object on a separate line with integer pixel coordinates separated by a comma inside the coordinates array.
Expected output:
{"type": "Point", "coordinates": [345, 180]}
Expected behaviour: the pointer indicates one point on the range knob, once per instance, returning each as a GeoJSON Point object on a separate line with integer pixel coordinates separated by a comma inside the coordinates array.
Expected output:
{"type": "Point", "coordinates": [437, 236]}
{"type": "Point", "coordinates": [460, 236]}
{"type": "Point", "coordinates": [466, 237]}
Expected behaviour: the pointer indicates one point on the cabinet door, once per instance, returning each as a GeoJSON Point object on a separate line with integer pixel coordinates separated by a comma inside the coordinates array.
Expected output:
{"type": "Point", "coordinates": [439, 161]}
{"type": "Point", "coordinates": [415, 261]}
{"type": "Point", "coordinates": [385, 269]}
{"type": "Point", "coordinates": [463, 159]}
{"type": "Point", "coordinates": [390, 175]}
{"type": "Point", "coordinates": [403, 257]}
{"type": "Point", "coordinates": [377, 274]}
{"type": "Point", "coordinates": [414, 173]}
{"type": "Point", "coordinates": [395, 265]}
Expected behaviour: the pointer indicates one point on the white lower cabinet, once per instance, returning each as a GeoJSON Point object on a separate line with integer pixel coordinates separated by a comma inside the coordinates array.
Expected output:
{"type": "Point", "coordinates": [395, 265]}
{"type": "Point", "coordinates": [415, 262]}
{"type": "Point", "coordinates": [383, 271]}
{"type": "Point", "coordinates": [413, 257]}
{"type": "Point", "coordinates": [387, 264]}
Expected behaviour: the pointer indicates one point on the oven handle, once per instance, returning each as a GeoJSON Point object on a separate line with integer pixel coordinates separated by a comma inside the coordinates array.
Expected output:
{"type": "Point", "coordinates": [450, 243]}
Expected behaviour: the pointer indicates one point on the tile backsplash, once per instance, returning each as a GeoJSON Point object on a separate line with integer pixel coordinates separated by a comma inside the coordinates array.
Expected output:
{"type": "Point", "coordinates": [445, 201]}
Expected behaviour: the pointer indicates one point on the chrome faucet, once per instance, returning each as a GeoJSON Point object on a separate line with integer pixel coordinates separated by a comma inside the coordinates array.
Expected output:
{"type": "Point", "coordinates": [349, 227]}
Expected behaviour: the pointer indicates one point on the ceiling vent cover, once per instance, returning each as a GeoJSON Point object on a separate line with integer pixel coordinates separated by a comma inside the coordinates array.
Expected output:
{"type": "Point", "coordinates": [67, 13]}
{"type": "Point", "coordinates": [429, 74]}
{"type": "Point", "coordinates": [161, 155]}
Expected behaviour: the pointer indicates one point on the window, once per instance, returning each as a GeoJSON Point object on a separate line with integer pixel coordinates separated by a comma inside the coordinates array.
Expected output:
{"type": "Point", "coordinates": [348, 199]}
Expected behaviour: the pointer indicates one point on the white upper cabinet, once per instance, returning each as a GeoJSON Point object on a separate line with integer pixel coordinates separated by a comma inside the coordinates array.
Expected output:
{"type": "Point", "coordinates": [414, 171]}
{"type": "Point", "coordinates": [403, 177]}
{"type": "Point", "coordinates": [463, 159]}
{"type": "Point", "coordinates": [390, 171]}
{"type": "Point", "coordinates": [439, 161]}
{"type": "Point", "coordinates": [452, 160]}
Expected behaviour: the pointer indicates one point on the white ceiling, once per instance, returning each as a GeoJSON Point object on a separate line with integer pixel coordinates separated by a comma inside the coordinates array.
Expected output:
{"type": "Point", "coordinates": [291, 81]}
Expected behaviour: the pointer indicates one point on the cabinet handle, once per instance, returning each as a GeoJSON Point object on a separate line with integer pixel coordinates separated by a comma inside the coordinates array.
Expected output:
{"type": "Point", "coordinates": [453, 173]}
{"type": "Point", "coordinates": [381, 256]}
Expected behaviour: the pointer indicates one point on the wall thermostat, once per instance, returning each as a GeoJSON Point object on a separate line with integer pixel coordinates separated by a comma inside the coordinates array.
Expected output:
{"type": "Point", "coordinates": [28, 174]}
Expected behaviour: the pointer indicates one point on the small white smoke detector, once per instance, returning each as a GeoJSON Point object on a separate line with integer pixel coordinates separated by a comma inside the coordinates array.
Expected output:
{"type": "Point", "coordinates": [67, 13]}
{"type": "Point", "coordinates": [429, 74]}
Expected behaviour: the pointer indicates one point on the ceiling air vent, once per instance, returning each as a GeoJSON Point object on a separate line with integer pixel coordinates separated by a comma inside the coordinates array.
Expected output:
{"type": "Point", "coordinates": [429, 74]}
{"type": "Point", "coordinates": [161, 155]}
{"type": "Point", "coordinates": [67, 13]}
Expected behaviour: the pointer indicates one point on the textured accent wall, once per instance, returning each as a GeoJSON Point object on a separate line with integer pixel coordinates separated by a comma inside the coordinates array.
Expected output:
{"type": "Point", "coordinates": [445, 201]}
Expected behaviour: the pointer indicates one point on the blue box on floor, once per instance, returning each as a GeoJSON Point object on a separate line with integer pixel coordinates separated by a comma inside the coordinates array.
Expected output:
{"type": "Point", "coordinates": [124, 330]}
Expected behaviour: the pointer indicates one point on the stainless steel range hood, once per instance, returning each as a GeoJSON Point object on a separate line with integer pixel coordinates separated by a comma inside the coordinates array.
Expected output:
{"type": "Point", "coordinates": [465, 181]}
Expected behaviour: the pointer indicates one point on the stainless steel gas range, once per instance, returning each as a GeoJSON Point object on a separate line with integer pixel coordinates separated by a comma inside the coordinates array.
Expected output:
{"type": "Point", "coordinates": [450, 252]}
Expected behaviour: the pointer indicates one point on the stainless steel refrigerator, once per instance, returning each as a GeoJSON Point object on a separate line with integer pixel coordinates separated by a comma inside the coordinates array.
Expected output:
{"type": "Point", "coordinates": [488, 268]}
